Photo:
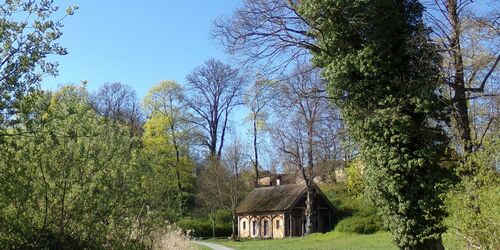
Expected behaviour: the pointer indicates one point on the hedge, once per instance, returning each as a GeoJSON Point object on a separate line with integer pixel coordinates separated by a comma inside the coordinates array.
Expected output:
{"type": "Point", "coordinates": [362, 225]}
{"type": "Point", "coordinates": [203, 227]}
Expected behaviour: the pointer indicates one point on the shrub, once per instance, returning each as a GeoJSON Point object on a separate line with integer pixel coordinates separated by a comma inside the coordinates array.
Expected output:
{"type": "Point", "coordinates": [355, 179]}
{"type": "Point", "coordinates": [223, 216]}
{"type": "Point", "coordinates": [202, 227]}
{"type": "Point", "coordinates": [358, 224]}
{"type": "Point", "coordinates": [346, 204]}
{"type": "Point", "coordinates": [474, 205]}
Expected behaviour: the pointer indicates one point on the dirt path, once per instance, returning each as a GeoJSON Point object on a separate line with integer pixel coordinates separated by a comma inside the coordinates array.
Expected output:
{"type": "Point", "coordinates": [212, 245]}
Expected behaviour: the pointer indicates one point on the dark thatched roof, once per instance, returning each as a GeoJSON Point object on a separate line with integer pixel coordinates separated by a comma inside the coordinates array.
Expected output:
{"type": "Point", "coordinates": [270, 199]}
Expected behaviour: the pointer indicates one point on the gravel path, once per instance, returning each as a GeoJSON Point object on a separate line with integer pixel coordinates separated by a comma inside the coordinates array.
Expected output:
{"type": "Point", "coordinates": [212, 245]}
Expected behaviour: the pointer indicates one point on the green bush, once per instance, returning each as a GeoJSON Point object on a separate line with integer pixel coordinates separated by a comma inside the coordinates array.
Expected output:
{"type": "Point", "coordinates": [354, 213]}
{"type": "Point", "coordinates": [346, 204]}
{"type": "Point", "coordinates": [202, 227]}
{"type": "Point", "coordinates": [356, 182]}
{"type": "Point", "coordinates": [474, 205]}
{"type": "Point", "coordinates": [361, 225]}
{"type": "Point", "coordinates": [223, 216]}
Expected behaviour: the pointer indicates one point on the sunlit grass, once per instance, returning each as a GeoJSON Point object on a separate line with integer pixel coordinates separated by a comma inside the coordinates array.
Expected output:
{"type": "Point", "coordinates": [331, 240]}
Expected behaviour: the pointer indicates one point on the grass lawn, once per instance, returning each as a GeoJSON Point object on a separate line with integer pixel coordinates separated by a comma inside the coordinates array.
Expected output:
{"type": "Point", "coordinates": [194, 246]}
{"type": "Point", "coordinates": [331, 240]}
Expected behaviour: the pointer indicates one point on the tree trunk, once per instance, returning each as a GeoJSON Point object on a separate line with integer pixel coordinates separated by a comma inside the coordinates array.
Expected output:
{"type": "Point", "coordinates": [233, 235]}
{"type": "Point", "coordinates": [177, 158]}
{"type": "Point", "coordinates": [213, 224]}
{"type": "Point", "coordinates": [460, 107]}
{"type": "Point", "coordinates": [311, 193]}
{"type": "Point", "coordinates": [431, 244]}
{"type": "Point", "coordinates": [223, 133]}
{"type": "Point", "coordinates": [212, 145]}
{"type": "Point", "coordinates": [177, 172]}
{"type": "Point", "coordinates": [256, 154]}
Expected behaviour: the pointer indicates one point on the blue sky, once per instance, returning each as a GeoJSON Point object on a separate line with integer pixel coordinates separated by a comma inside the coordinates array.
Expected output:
{"type": "Point", "coordinates": [140, 43]}
{"type": "Point", "coordinates": [137, 43]}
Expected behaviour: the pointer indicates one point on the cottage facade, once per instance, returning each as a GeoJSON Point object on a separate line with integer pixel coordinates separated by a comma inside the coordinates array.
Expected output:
{"type": "Point", "coordinates": [279, 211]}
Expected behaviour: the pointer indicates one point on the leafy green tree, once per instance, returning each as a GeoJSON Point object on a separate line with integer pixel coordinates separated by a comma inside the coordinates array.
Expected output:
{"type": "Point", "coordinates": [356, 183]}
{"type": "Point", "coordinates": [29, 32]}
{"type": "Point", "coordinates": [169, 168]}
{"type": "Point", "coordinates": [68, 185]}
{"type": "Point", "coordinates": [167, 123]}
{"type": "Point", "coordinates": [167, 137]}
{"type": "Point", "coordinates": [383, 73]}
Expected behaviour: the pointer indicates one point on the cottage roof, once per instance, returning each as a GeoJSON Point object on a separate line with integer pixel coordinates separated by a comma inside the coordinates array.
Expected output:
{"type": "Point", "coordinates": [274, 198]}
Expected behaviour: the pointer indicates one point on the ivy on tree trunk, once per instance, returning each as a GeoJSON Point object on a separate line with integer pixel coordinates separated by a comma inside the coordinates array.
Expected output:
{"type": "Point", "coordinates": [383, 73]}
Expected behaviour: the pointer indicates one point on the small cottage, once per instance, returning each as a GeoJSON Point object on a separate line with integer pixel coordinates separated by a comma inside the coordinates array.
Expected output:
{"type": "Point", "coordinates": [279, 211]}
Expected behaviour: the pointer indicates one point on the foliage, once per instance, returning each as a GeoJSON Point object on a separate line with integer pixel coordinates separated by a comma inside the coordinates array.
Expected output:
{"type": "Point", "coordinates": [345, 202]}
{"type": "Point", "coordinates": [202, 227]}
{"type": "Point", "coordinates": [356, 182]}
{"type": "Point", "coordinates": [28, 37]}
{"type": "Point", "coordinates": [352, 210]}
{"type": "Point", "coordinates": [84, 181]}
{"type": "Point", "coordinates": [166, 142]}
{"type": "Point", "coordinates": [69, 184]}
{"type": "Point", "coordinates": [361, 225]}
{"type": "Point", "coordinates": [383, 73]}
{"type": "Point", "coordinates": [474, 219]}
{"type": "Point", "coordinates": [160, 149]}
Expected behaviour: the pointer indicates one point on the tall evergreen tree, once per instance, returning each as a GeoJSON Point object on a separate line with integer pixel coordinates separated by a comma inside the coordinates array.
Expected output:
{"type": "Point", "coordinates": [383, 72]}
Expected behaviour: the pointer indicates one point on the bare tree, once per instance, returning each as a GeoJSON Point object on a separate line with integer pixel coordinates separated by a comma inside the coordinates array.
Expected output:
{"type": "Point", "coordinates": [118, 102]}
{"type": "Point", "coordinates": [213, 91]}
{"type": "Point", "coordinates": [235, 160]}
{"type": "Point", "coordinates": [270, 34]}
{"type": "Point", "coordinates": [469, 35]}
{"type": "Point", "coordinates": [235, 157]}
{"type": "Point", "coordinates": [273, 33]}
{"type": "Point", "coordinates": [219, 188]}
{"type": "Point", "coordinates": [302, 111]}
{"type": "Point", "coordinates": [257, 100]}
{"type": "Point", "coordinates": [332, 152]}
